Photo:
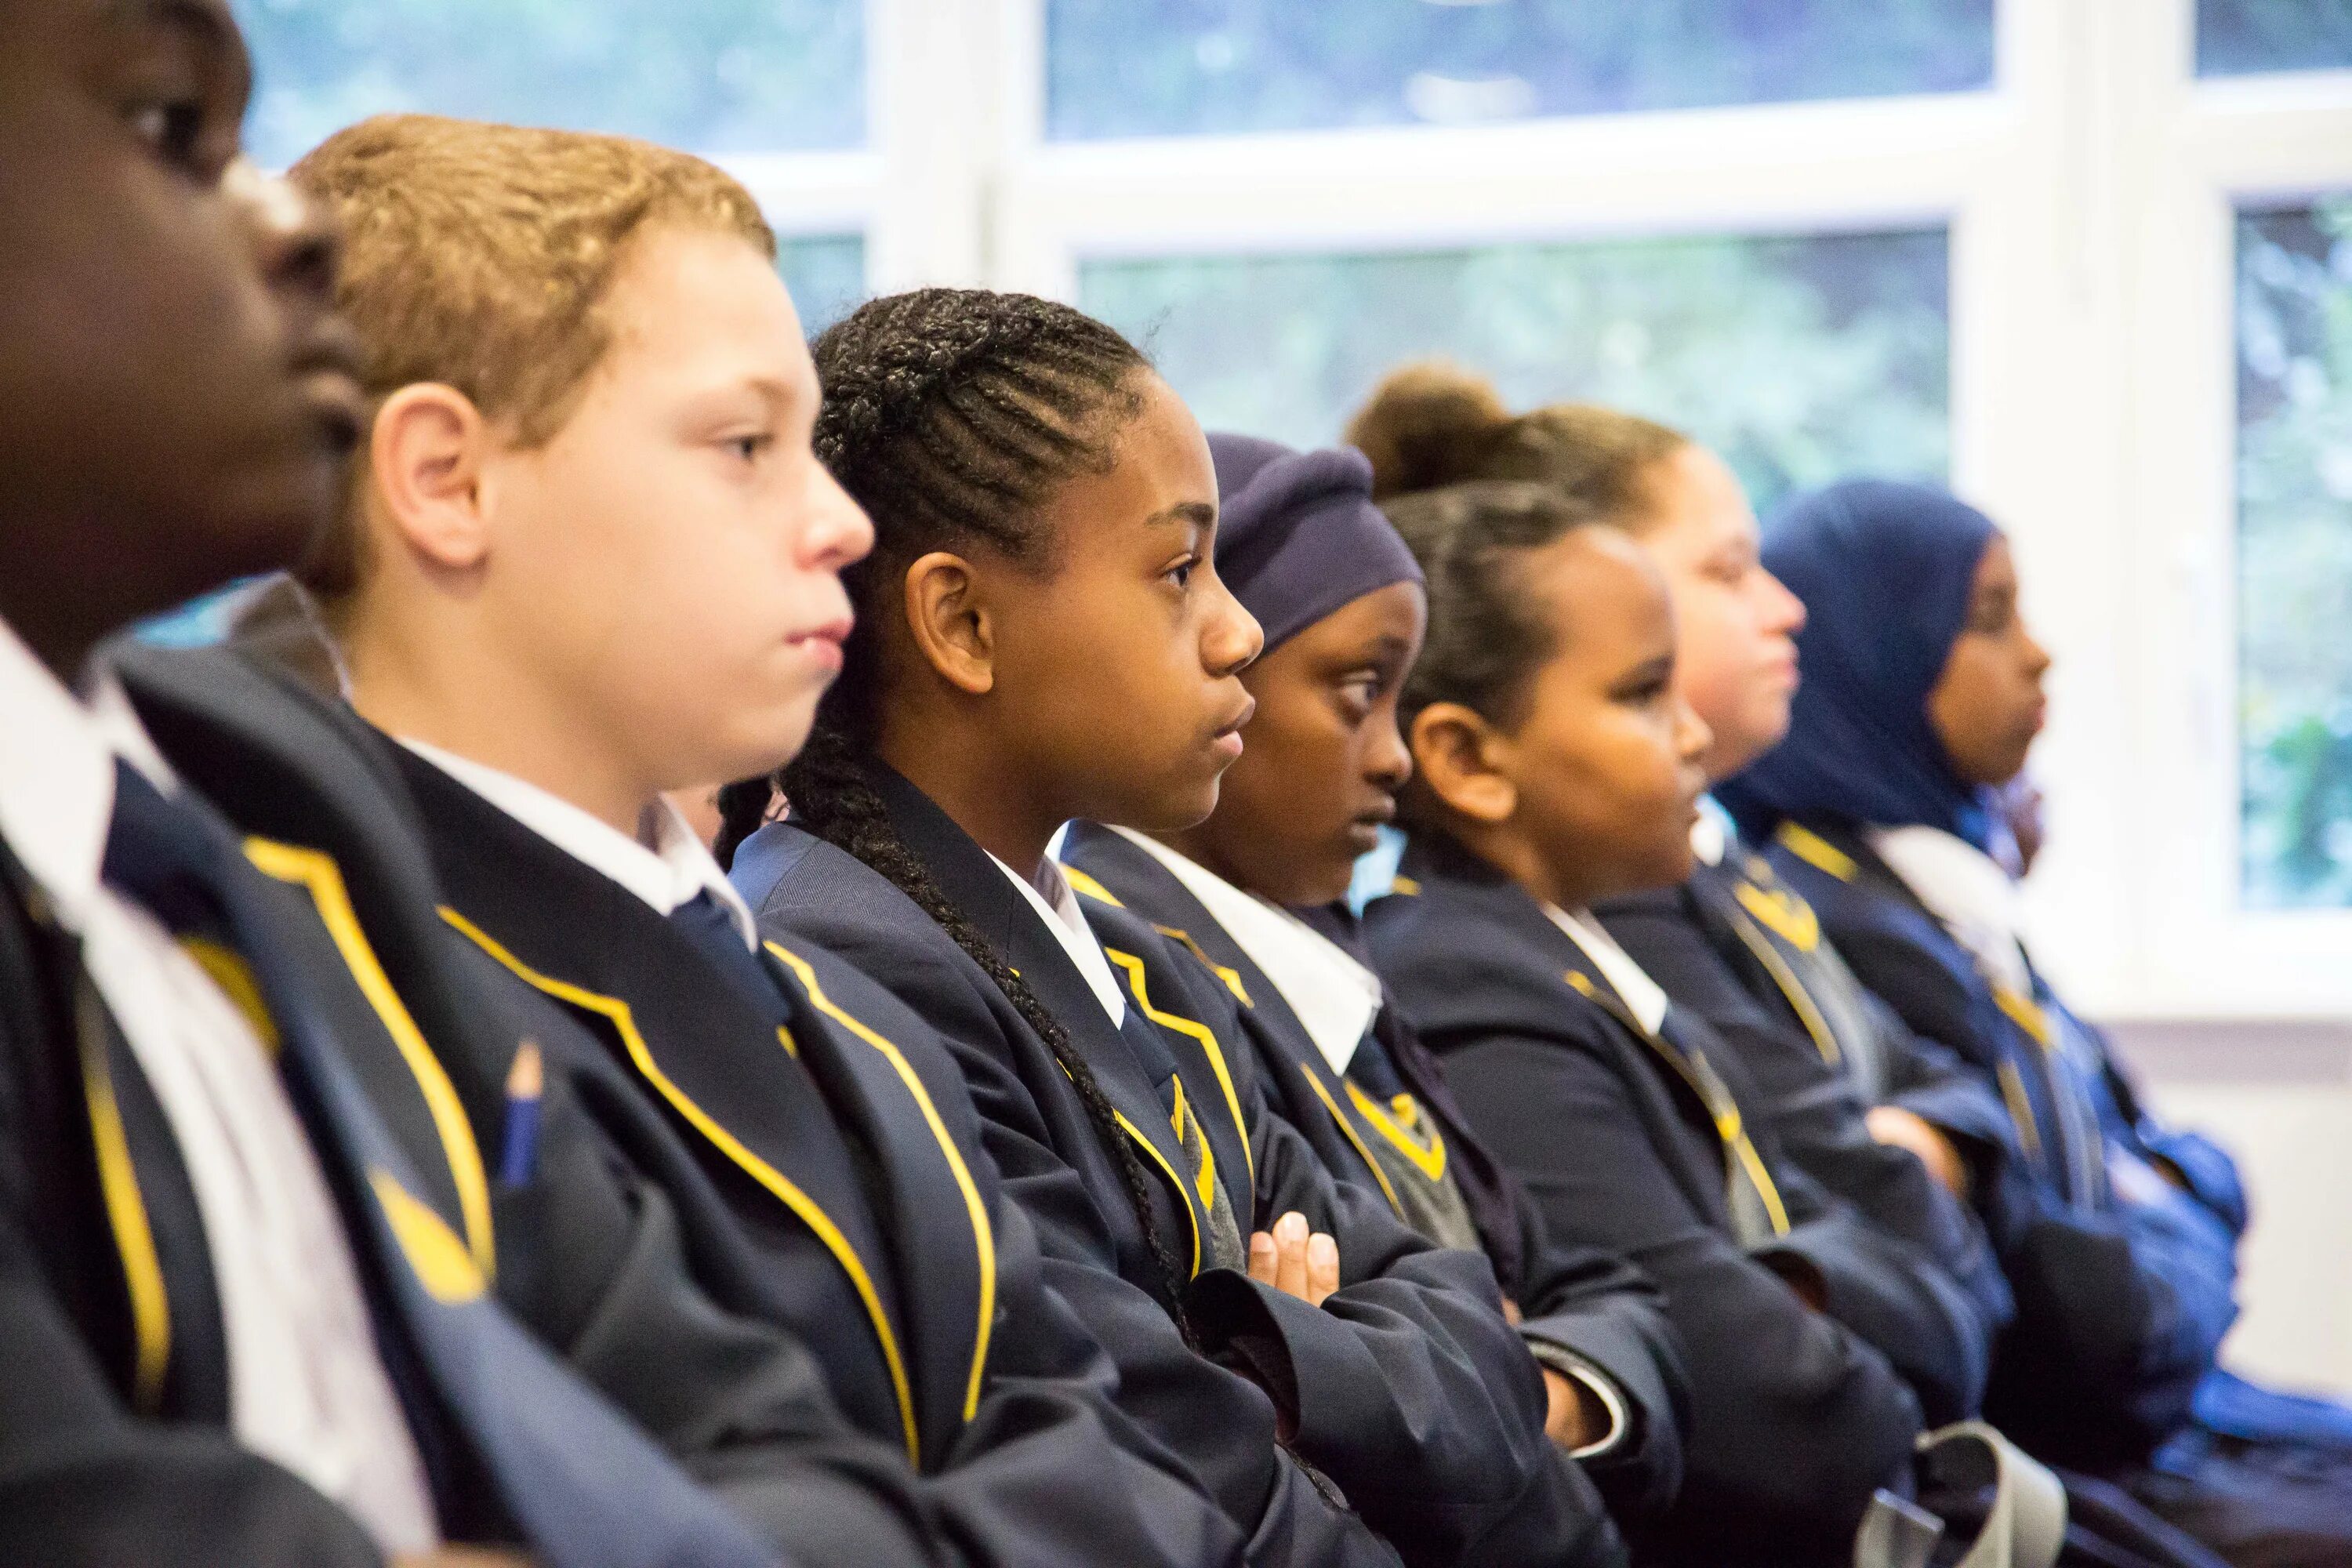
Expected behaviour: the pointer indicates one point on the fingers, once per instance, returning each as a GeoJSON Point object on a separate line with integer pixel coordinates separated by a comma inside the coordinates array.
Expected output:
{"type": "Point", "coordinates": [1261, 1258]}
{"type": "Point", "coordinates": [1322, 1268]}
{"type": "Point", "coordinates": [1511, 1313]}
{"type": "Point", "coordinates": [1290, 1248]}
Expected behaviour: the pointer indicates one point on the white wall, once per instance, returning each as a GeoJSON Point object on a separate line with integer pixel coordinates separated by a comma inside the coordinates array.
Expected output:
{"type": "Point", "coordinates": [2279, 1096]}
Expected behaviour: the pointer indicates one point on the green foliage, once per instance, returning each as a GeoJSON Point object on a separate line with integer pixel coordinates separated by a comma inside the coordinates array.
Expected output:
{"type": "Point", "coordinates": [2237, 37]}
{"type": "Point", "coordinates": [1130, 68]}
{"type": "Point", "coordinates": [713, 76]}
{"type": "Point", "coordinates": [1800, 360]}
{"type": "Point", "coordinates": [2294, 553]}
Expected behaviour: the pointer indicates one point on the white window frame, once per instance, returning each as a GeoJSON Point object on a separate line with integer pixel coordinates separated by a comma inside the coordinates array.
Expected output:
{"type": "Point", "coordinates": [2090, 196]}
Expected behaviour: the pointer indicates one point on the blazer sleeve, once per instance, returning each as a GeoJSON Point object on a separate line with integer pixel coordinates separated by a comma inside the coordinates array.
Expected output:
{"type": "Point", "coordinates": [1414, 1391]}
{"type": "Point", "coordinates": [1795, 1420]}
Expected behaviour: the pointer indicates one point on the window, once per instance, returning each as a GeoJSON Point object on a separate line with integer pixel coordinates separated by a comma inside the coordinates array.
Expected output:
{"type": "Point", "coordinates": [2238, 38]}
{"type": "Point", "coordinates": [1800, 360]}
{"type": "Point", "coordinates": [826, 274]}
{"type": "Point", "coordinates": [718, 76]}
{"type": "Point", "coordinates": [2295, 551]}
{"type": "Point", "coordinates": [1159, 68]}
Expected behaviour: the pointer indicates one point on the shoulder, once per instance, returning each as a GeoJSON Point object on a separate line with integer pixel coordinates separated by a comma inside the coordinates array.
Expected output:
{"type": "Point", "coordinates": [1466, 963]}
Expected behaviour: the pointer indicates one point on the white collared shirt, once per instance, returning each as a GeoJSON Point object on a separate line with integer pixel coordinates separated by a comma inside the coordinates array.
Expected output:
{"type": "Point", "coordinates": [1965, 889]}
{"type": "Point", "coordinates": [1712, 833]}
{"type": "Point", "coordinates": [1334, 997]}
{"type": "Point", "coordinates": [1642, 995]}
{"type": "Point", "coordinates": [1057, 906]}
{"type": "Point", "coordinates": [307, 1388]}
{"type": "Point", "coordinates": [677, 867]}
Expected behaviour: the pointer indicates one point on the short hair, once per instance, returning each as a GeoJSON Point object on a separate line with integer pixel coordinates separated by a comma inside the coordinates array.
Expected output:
{"type": "Point", "coordinates": [1433, 424]}
{"type": "Point", "coordinates": [477, 255]}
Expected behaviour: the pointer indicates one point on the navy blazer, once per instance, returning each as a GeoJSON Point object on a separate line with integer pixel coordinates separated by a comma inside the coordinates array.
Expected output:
{"type": "Point", "coordinates": [1588, 1302]}
{"type": "Point", "coordinates": [116, 1442]}
{"type": "Point", "coordinates": [871, 1370]}
{"type": "Point", "coordinates": [1407, 1387]}
{"type": "Point", "coordinates": [1797, 1416]}
{"type": "Point", "coordinates": [2121, 1309]}
{"type": "Point", "coordinates": [1733, 947]}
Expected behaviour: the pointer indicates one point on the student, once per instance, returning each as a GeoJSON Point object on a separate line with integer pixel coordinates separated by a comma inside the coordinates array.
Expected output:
{"type": "Point", "coordinates": [589, 558]}
{"type": "Point", "coordinates": [1340, 597]}
{"type": "Point", "coordinates": [1555, 765]}
{"type": "Point", "coordinates": [1043, 636]}
{"type": "Point", "coordinates": [2118, 1234]}
{"type": "Point", "coordinates": [1865, 1110]}
{"type": "Point", "coordinates": [246, 1323]}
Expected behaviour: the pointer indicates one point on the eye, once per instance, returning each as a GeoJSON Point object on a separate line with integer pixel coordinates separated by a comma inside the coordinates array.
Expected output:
{"type": "Point", "coordinates": [1359, 692]}
{"type": "Point", "coordinates": [749, 448]}
{"type": "Point", "coordinates": [1182, 572]}
{"type": "Point", "coordinates": [172, 128]}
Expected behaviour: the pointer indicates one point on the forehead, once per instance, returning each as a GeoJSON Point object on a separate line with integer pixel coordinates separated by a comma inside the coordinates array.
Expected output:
{"type": "Point", "coordinates": [701, 297]}
{"type": "Point", "coordinates": [1601, 595]}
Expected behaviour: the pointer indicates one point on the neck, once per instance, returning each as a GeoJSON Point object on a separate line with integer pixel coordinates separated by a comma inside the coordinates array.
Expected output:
{"type": "Point", "coordinates": [1202, 847]}
{"type": "Point", "coordinates": [430, 685]}
{"type": "Point", "coordinates": [993, 797]}
{"type": "Point", "coordinates": [1518, 857]}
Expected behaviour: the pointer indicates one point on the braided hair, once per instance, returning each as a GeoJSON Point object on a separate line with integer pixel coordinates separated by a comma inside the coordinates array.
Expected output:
{"type": "Point", "coordinates": [952, 415]}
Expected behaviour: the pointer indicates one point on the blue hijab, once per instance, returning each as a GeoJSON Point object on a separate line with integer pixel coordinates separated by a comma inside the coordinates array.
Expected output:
{"type": "Point", "coordinates": [1885, 570]}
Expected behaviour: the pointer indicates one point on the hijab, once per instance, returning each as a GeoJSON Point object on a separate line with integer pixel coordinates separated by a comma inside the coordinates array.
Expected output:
{"type": "Point", "coordinates": [1885, 572]}
{"type": "Point", "coordinates": [1298, 534]}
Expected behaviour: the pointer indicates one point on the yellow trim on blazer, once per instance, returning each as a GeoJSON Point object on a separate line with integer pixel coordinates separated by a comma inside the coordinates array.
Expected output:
{"type": "Point", "coordinates": [1800, 999]}
{"type": "Point", "coordinates": [1783, 911]}
{"type": "Point", "coordinates": [1349, 1132]}
{"type": "Point", "coordinates": [126, 1212]}
{"type": "Point", "coordinates": [1408, 885]}
{"type": "Point", "coordinates": [1225, 972]}
{"type": "Point", "coordinates": [2021, 1108]}
{"type": "Point", "coordinates": [1191, 1217]}
{"type": "Point", "coordinates": [319, 875]}
{"type": "Point", "coordinates": [2027, 1014]}
{"type": "Point", "coordinates": [1730, 1131]}
{"type": "Point", "coordinates": [1204, 1180]}
{"type": "Point", "coordinates": [1198, 1031]}
{"type": "Point", "coordinates": [1816, 851]}
{"type": "Point", "coordinates": [983, 1235]}
{"type": "Point", "coordinates": [439, 1260]}
{"type": "Point", "coordinates": [1431, 1163]}
{"type": "Point", "coordinates": [618, 1013]}
{"type": "Point", "coordinates": [1082, 883]}
{"type": "Point", "coordinates": [234, 977]}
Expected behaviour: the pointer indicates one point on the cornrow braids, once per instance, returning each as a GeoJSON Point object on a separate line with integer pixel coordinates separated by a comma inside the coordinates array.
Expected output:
{"type": "Point", "coordinates": [952, 415]}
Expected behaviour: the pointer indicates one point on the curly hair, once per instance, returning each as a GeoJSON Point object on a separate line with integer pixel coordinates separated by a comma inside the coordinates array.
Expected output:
{"type": "Point", "coordinates": [952, 415]}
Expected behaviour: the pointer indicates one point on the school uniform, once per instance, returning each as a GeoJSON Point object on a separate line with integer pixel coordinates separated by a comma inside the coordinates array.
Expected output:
{"type": "Point", "coordinates": [243, 1261]}
{"type": "Point", "coordinates": [1406, 1388]}
{"type": "Point", "coordinates": [1627, 1128]}
{"type": "Point", "coordinates": [757, 1216]}
{"type": "Point", "coordinates": [2118, 1235]}
{"type": "Point", "coordinates": [1350, 1076]}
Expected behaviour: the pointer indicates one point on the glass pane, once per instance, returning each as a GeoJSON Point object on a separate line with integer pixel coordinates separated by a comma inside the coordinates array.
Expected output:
{"type": "Point", "coordinates": [711, 76]}
{"type": "Point", "coordinates": [2237, 37]}
{"type": "Point", "coordinates": [2294, 551]}
{"type": "Point", "coordinates": [826, 274]}
{"type": "Point", "coordinates": [1173, 67]}
{"type": "Point", "coordinates": [1800, 360]}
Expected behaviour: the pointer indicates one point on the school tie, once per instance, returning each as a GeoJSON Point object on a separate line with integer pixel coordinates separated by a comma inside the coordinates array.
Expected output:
{"type": "Point", "coordinates": [585, 1488]}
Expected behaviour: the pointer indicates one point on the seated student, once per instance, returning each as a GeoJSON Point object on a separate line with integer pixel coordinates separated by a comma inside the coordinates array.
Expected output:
{"type": "Point", "coordinates": [1854, 1102]}
{"type": "Point", "coordinates": [1043, 637]}
{"type": "Point", "coordinates": [2118, 1233]}
{"type": "Point", "coordinates": [244, 1314]}
{"type": "Point", "coordinates": [1338, 595]}
{"type": "Point", "coordinates": [1554, 765]}
{"type": "Point", "coordinates": [588, 495]}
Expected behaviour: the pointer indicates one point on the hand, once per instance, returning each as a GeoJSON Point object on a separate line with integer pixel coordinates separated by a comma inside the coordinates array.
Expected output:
{"type": "Point", "coordinates": [463, 1557]}
{"type": "Point", "coordinates": [1511, 1313]}
{"type": "Point", "coordinates": [1575, 1418]}
{"type": "Point", "coordinates": [1904, 1128]}
{"type": "Point", "coordinates": [1293, 1262]}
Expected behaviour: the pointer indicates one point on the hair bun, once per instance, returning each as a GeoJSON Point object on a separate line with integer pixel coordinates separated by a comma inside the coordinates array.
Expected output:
{"type": "Point", "coordinates": [1423, 424]}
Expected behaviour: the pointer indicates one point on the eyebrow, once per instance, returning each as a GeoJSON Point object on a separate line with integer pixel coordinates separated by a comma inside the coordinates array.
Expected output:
{"type": "Point", "coordinates": [213, 25]}
{"type": "Point", "coordinates": [1195, 513]}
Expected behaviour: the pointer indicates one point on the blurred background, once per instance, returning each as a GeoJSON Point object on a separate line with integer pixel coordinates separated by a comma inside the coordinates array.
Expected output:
{"type": "Point", "coordinates": [2087, 261]}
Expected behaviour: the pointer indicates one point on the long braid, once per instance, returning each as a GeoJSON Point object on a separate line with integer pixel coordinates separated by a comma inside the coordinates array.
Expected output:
{"type": "Point", "coordinates": [834, 798]}
{"type": "Point", "coordinates": [950, 416]}
{"type": "Point", "coordinates": [743, 808]}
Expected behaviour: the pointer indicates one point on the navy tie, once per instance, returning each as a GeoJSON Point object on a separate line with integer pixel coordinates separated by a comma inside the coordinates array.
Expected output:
{"type": "Point", "coordinates": [586, 1488]}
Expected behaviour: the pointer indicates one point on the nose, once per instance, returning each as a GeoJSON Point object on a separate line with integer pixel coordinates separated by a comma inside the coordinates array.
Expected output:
{"type": "Point", "coordinates": [1786, 615]}
{"type": "Point", "coordinates": [294, 238]}
{"type": "Point", "coordinates": [1691, 736]}
{"type": "Point", "coordinates": [1231, 637]}
{"type": "Point", "coordinates": [838, 533]}
{"type": "Point", "coordinates": [1389, 762]}
{"type": "Point", "coordinates": [2037, 658]}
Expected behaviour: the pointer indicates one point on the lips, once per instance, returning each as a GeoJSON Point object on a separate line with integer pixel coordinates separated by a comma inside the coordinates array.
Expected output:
{"type": "Point", "coordinates": [1233, 726]}
{"type": "Point", "coordinates": [326, 371]}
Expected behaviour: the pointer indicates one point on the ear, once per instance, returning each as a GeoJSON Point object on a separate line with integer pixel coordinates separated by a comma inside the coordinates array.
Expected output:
{"type": "Point", "coordinates": [1462, 759]}
{"type": "Point", "coordinates": [424, 462]}
{"type": "Point", "coordinates": [951, 625]}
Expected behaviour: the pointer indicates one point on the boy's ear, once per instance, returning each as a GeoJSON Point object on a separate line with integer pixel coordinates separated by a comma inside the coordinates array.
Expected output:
{"type": "Point", "coordinates": [424, 458]}
{"type": "Point", "coordinates": [951, 625]}
{"type": "Point", "coordinates": [1459, 756]}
